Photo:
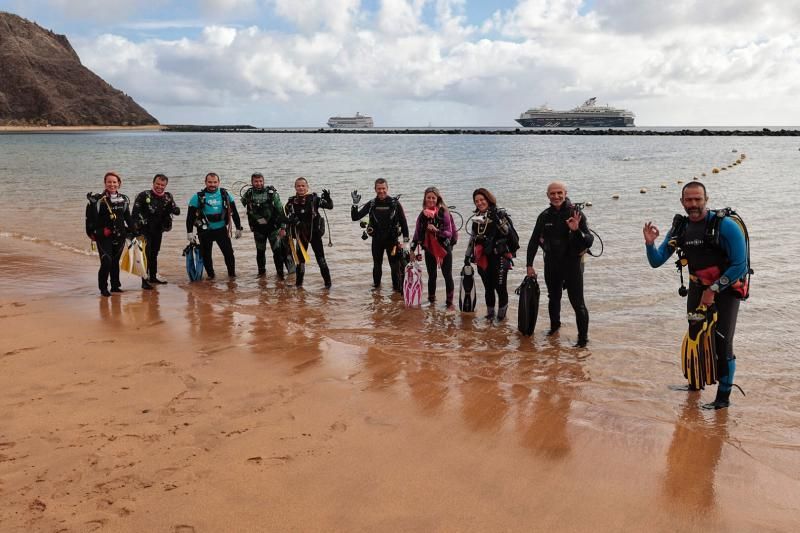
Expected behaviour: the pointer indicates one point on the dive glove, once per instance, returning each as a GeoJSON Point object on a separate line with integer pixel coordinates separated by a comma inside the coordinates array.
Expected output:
{"type": "Point", "coordinates": [356, 197]}
{"type": "Point", "coordinates": [326, 194]}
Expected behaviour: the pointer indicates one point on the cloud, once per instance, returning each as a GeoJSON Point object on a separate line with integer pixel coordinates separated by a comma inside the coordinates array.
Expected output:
{"type": "Point", "coordinates": [228, 8]}
{"type": "Point", "coordinates": [401, 17]}
{"type": "Point", "coordinates": [402, 58]}
{"type": "Point", "coordinates": [308, 15]}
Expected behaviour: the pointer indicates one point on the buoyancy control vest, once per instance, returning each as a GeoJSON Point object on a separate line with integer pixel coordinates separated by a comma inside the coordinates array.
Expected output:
{"type": "Point", "coordinates": [261, 208]}
{"type": "Point", "coordinates": [105, 215]}
{"type": "Point", "coordinates": [153, 211]}
{"type": "Point", "coordinates": [699, 248]}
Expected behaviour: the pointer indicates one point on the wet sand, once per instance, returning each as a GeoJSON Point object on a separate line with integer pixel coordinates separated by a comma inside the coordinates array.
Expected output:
{"type": "Point", "coordinates": [173, 411]}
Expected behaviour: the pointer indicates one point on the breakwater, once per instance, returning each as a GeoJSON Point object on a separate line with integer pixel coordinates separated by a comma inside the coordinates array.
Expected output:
{"type": "Point", "coordinates": [763, 132]}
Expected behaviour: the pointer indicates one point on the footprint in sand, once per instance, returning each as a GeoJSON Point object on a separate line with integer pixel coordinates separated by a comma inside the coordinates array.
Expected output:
{"type": "Point", "coordinates": [339, 426]}
{"type": "Point", "coordinates": [94, 525]}
{"type": "Point", "coordinates": [182, 529]}
{"type": "Point", "coordinates": [37, 505]}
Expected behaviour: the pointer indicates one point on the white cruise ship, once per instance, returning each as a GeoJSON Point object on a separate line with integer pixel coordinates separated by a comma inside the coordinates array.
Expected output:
{"type": "Point", "coordinates": [358, 121]}
{"type": "Point", "coordinates": [587, 114]}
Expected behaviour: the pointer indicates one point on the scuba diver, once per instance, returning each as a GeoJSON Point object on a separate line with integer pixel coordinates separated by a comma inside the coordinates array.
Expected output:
{"type": "Point", "coordinates": [561, 231]}
{"type": "Point", "coordinates": [492, 245]}
{"type": "Point", "coordinates": [213, 211]}
{"type": "Point", "coordinates": [152, 216]}
{"type": "Point", "coordinates": [714, 246]}
{"type": "Point", "coordinates": [108, 223]}
{"type": "Point", "coordinates": [387, 221]}
{"type": "Point", "coordinates": [267, 222]}
{"type": "Point", "coordinates": [436, 233]}
{"type": "Point", "coordinates": [307, 226]}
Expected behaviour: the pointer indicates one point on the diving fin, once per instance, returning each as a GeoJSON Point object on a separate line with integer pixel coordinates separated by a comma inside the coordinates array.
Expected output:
{"type": "Point", "coordinates": [299, 252]}
{"type": "Point", "coordinates": [528, 310]}
{"type": "Point", "coordinates": [133, 259]}
{"type": "Point", "coordinates": [194, 262]}
{"type": "Point", "coordinates": [698, 350]}
{"type": "Point", "coordinates": [708, 346]}
{"type": "Point", "coordinates": [467, 293]}
{"type": "Point", "coordinates": [690, 351]}
{"type": "Point", "coordinates": [412, 285]}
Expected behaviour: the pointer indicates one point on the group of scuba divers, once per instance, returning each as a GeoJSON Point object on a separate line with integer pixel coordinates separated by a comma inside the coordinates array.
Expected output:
{"type": "Point", "coordinates": [714, 245]}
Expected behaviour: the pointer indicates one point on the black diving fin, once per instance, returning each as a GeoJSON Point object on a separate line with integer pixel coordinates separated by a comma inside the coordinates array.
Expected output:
{"type": "Point", "coordinates": [528, 310]}
{"type": "Point", "coordinates": [467, 294]}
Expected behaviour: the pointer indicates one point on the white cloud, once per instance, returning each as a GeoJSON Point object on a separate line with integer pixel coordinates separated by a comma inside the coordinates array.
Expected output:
{"type": "Point", "coordinates": [540, 50]}
{"type": "Point", "coordinates": [308, 15]}
{"type": "Point", "coordinates": [228, 8]}
{"type": "Point", "coordinates": [401, 17]}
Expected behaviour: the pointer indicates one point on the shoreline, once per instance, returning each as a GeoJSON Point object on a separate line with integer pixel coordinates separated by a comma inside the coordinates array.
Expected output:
{"type": "Point", "coordinates": [683, 132]}
{"type": "Point", "coordinates": [172, 128]}
{"type": "Point", "coordinates": [76, 129]}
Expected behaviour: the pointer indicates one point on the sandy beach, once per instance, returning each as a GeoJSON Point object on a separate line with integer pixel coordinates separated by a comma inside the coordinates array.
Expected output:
{"type": "Point", "coordinates": [169, 410]}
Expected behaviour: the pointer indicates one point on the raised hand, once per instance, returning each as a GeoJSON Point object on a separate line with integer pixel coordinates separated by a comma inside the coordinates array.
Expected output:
{"type": "Point", "coordinates": [574, 221]}
{"type": "Point", "coordinates": [650, 232]}
{"type": "Point", "coordinates": [355, 196]}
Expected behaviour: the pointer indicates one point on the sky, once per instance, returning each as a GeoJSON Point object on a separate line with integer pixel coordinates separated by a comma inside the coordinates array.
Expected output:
{"type": "Point", "coordinates": [294, 63]}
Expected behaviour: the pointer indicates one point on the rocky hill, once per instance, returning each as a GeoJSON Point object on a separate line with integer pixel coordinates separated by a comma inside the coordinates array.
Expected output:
{"type": "Point", "coordinates": [42, 81]}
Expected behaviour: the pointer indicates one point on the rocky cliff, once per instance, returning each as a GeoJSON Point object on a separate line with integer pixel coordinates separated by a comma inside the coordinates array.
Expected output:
{"type": "Point", "coordinates": [42, 81]}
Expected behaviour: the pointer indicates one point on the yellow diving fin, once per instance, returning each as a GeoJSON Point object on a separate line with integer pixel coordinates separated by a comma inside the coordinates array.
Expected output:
{"type": "Point", "coordinates": [693, 369]}
{"type": "Point", "coordinates": [303, 251]}
{"type": "Point", "coordinates": [298, 250]}
{"type": "Point", "coordinates": [708, 346]}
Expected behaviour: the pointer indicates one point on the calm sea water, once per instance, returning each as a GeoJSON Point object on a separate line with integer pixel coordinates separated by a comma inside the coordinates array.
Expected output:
{"type": "Point", "coordinates": [637, 318]}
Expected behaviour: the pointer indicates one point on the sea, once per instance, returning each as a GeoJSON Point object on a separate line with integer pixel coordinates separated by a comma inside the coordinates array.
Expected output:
{"type": "Point", "coordinates": [637, 317]}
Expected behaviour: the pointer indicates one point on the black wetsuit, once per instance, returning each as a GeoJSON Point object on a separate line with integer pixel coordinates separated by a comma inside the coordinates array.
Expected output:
{"type": "Point", "coordinates": [108, 222]}
{"type": "Point", "coordinates": [152, 216]}
{"type": "Point", "coordinates": [492, 240]}
{"type": "Point", "coordinates": [387, 221]}
{"type": "Point", "coordinates": [307, 226]}
{"type": "Point", "coordinates": [446, 231]}
{"type": "Point", "coordinates": [563, 262]}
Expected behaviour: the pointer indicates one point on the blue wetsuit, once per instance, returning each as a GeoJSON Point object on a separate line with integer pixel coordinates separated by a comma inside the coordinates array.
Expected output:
{"type": "Point", "coordinates": [212, 222]}
{"type": "Point", "coordinates": [729, 257]}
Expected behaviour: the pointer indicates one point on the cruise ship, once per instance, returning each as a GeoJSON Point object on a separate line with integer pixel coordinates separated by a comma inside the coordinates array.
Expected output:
{"type": "Point", "coordinates": [586, 115]}
{"type": "Point", "coordinates": [358, 121]}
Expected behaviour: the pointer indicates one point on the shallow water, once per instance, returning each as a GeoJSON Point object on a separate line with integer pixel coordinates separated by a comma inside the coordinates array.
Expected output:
{"type": "Point", "coordinates": [637, 318]}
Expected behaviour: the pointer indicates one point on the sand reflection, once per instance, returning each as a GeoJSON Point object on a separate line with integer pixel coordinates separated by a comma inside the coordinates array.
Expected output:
{"type": "Point", "coordinates": [693, 457]}
{"type": "Point", "coordinates": [543, 421]}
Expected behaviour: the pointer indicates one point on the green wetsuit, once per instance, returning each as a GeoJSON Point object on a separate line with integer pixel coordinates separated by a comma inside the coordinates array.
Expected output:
{"type": "Point", "coordinates": [265, 217]}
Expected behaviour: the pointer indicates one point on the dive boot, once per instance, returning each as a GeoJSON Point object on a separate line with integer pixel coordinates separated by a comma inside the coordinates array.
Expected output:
{"type": "Point", "coordinates": [501, 312]}
{"type": "Point", "coordinates": [721, 401]}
